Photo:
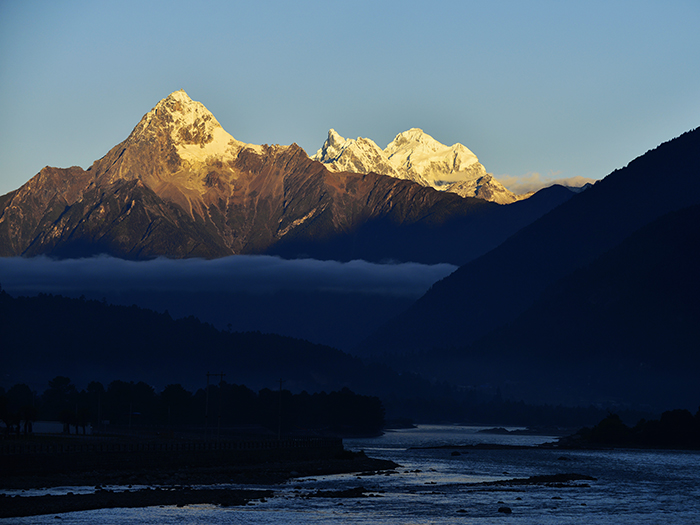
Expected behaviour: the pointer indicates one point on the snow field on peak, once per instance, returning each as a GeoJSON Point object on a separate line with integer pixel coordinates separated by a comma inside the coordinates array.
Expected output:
{"type": "Point", "coordinates": [416, 156]}
{"type": "Point", "coordinates": [417, 151]}
{"type": "Point", "coordinates": [194, 119]}
{"type": "Point", "coordinates": [222, 146]}
{"type": "Point", "coordinates": [359, 155]}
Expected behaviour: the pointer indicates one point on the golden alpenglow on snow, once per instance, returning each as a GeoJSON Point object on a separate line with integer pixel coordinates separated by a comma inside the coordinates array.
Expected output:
{"type": "Point", "coordinates": [416, 156]}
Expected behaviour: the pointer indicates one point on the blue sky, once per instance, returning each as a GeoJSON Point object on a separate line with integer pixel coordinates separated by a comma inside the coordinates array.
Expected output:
{"type": "Point", "coordinates": [557, 89]}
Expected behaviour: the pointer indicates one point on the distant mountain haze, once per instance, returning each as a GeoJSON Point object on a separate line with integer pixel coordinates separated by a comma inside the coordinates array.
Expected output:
{"type": "Point", "coordinates": [181, 186]}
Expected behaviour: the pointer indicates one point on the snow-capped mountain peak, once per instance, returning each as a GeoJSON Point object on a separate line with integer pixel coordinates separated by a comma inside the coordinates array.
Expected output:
{"type": "Point", "coordinates": [416, 156]}
{"type": "Point", "coordinates": [334, 146]}
{"type": "Point", "coordinates": [192, 129]}
{"type": "Point", "coordinates": [359, 155]}
{"type": "Point", "coordinates": [424, 158]}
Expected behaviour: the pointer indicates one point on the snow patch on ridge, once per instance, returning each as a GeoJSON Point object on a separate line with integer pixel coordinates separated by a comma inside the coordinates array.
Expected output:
{"type": "Point", "coordinates": [296, 223]}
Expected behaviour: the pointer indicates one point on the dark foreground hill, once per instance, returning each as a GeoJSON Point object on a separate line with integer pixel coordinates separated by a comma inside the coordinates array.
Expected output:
{"type": "Point", "coordinates": [85, 340]}
{"type": "Point", "coordinates": [49, 336]}
{"type": "Point", "coordinates": [623, 330]}
{"type": "Point", "coordinates": [46, 336]}
{"type": "Point", "coordinates": [493, 290]}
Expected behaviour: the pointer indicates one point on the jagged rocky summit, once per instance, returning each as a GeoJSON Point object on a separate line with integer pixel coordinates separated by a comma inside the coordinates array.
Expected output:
{"type": "Point", "coordinates": [416, 156]}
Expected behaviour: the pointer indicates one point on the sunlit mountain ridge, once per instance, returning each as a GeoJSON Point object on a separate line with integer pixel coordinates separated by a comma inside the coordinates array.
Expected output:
{"type": "Point", "coordinates": [416, 156]}
{"type": "Point", "coordinates": [180, 186]}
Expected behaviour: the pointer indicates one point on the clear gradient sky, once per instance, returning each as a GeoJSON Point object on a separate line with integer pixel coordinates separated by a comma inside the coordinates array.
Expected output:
{"type": "Point", "coordinates": [554, 88]}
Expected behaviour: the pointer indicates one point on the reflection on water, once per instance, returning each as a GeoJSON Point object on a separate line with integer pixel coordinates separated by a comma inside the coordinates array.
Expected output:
{"type": "Point", "coordinates": [439, 486]}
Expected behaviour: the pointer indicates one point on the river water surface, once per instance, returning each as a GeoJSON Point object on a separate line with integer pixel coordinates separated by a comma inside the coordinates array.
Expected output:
{"type": "Point", "coordinates": [437, 486]}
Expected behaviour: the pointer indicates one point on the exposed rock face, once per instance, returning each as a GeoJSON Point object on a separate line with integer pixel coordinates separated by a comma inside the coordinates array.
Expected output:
{"type": "Point", "coordinates": [416, 156]}
{"type": "Point", "coordinates": [181, 186]}
{"type": "Point", "coordinates": [30, 210]}
{"type": "Point", "coordinates": [487, 188]}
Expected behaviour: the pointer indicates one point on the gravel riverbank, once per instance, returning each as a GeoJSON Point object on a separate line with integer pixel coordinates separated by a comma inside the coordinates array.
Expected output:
{"type": "Point", "coordinates": [181, 486]}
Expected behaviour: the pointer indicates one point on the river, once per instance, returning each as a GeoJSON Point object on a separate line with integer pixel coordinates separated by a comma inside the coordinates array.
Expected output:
{"type": "Point", "coordinates": [445, 485]}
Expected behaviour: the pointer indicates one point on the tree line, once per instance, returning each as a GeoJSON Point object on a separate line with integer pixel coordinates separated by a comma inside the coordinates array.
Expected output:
{"type": "Point", "coordinates": [677, 428]}
{"type": "Point", "coordinates": [164, 350]}
{"type": "Point", "coordinates": [219, 408]}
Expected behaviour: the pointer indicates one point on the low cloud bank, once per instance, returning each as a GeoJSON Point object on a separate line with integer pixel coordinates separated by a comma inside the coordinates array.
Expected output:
{"type": "Point", "coordinates": [535, 182]}
{"type": "Point", "coordinates": [257, 274]}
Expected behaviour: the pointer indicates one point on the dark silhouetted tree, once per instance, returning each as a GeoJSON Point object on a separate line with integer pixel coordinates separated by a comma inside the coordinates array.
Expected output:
{"type": "Point", "coordinates": [67, 417]}
{"type": "Point", "coordinates": [611, 430]}
{"type": "Point", "coordinates": [21, 404]}
{"type": "Point", "coordinates": [58, 398]}
{"type": "Point", "coordinates": [95, 397]}
{"type": "Point", "coordinates": [175, 405]}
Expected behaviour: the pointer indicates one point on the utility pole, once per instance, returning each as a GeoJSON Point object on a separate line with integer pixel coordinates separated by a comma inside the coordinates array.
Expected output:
{"type": "Point", "coordinates": [206, 409]}
{"type": "Point", "coordinates": [218, 423]}
{"type": "Point", "coordinates": [279, 420]}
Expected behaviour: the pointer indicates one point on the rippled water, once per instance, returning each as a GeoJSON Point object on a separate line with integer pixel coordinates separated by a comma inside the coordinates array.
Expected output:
{"type": "Point", "coordinates": [433, 486]}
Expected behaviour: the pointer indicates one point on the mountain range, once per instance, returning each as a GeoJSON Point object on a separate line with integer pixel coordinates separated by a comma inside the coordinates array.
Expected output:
{"type": "Point", "coordinates": [181, 186]}
{"type": "Point", "coordinates": [587, 297]}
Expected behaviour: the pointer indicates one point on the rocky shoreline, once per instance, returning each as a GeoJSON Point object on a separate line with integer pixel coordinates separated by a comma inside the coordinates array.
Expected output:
{"type": "Point", "coordinates": [182, 486]}
{"type": "Point", "coordinates": [18, 506]}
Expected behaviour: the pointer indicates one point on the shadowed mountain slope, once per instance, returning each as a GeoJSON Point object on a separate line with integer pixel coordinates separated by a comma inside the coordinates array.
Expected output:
{"type": "Point", "coordinates": [440, 237]}
{"type": "Point", "coordinates": [621, 330]}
